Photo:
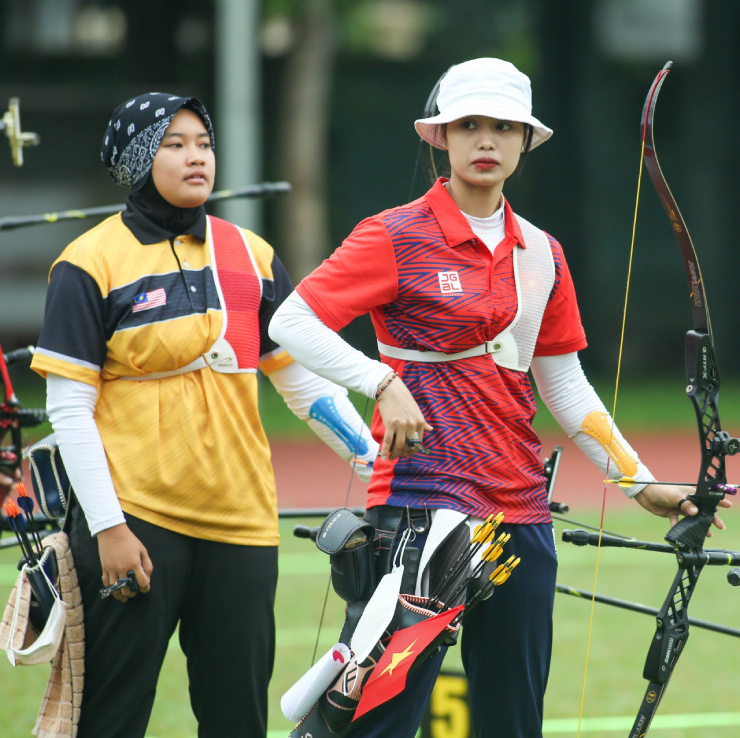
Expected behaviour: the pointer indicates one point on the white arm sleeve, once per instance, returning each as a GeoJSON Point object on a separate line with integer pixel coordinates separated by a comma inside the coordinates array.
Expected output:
{"type": "Point", "coordinates": [329, 413]}
{"type": "Point", "coordinates": [570, 398]}
{"type": "Point", "coordinates": [297, 328]}
{"type": "Point", "coordinates": [71, 408]}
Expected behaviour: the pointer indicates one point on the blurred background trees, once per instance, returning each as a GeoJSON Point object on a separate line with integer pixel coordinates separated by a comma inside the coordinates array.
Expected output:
{"type": "Point", "coordinates": [323, 94]}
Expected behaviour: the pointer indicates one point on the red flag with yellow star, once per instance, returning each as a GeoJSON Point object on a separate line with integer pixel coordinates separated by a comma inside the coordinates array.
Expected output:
{"type": "Point", "coordinates": [389, 676]}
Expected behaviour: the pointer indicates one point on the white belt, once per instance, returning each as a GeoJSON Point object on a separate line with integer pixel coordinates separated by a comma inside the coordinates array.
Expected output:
{"type": "Point", "coordinates": [220, 358]}
{"type": "Point", "coordinates": [395, 352]}
{"type": "Point", "coordinates": [199, 363]}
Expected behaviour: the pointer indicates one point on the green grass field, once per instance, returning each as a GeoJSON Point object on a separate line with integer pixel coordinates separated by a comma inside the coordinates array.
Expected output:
{"type": "Point", "coordinates": [699, 703]}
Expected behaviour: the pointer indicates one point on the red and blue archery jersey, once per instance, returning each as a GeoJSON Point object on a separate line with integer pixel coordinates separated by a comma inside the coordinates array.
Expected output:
{"type": "Point", "coordinates": [430, 284]}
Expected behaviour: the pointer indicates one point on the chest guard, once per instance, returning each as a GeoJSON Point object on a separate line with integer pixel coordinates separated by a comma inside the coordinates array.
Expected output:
{"type": "Point", "coordinates": [240, 293]}
{"type": "Point", "coordinates": [239, 288]}
{"type": "Point", "coordinates": [513, 348]}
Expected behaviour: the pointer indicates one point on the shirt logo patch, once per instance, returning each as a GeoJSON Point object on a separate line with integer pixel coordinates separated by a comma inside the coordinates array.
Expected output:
{"type": "Point", "coordinates": [449, 283]}
{"type": "Point", "coordinates": [149, 300]}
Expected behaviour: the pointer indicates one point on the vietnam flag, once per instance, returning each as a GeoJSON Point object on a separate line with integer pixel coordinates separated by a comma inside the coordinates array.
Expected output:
{"type": "Point", "coordinates": [389, 676]}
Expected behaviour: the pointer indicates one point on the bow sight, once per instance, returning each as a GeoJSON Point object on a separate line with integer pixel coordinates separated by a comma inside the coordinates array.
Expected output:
{"type": "Point", "coordinates": [11, 125]}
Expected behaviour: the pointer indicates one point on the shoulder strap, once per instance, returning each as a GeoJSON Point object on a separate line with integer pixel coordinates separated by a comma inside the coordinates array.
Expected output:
{"type": "Point", "coordinates": [239, 289]}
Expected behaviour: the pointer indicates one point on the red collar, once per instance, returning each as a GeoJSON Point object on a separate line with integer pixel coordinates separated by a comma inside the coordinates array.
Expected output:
{"type": "Point", "coordinates": [453, 223]}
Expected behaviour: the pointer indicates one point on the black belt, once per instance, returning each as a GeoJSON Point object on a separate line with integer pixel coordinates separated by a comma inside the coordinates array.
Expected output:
{"type": "Point", "coordinates": [388, 517]}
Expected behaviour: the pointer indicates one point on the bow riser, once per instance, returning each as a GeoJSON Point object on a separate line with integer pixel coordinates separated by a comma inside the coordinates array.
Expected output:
{"type": "Point", "coordinates": [673, 626]}
{"type": "Point", "coordinates": [670, 637]}
{"type": "Point", "coordinates": [702, 388]}
{"type": "Point", "coordinates": [13, 417]}
{"type": "Point", "coordinates": [10, 456]}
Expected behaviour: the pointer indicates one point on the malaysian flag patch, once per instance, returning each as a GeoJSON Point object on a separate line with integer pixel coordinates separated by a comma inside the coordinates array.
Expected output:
{"type": "Point", "coordinates": [148, 300]}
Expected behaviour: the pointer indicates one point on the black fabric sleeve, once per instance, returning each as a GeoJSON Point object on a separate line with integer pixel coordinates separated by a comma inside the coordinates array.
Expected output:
{"type": "Point", "coordinates": [74, 316]}
{"type": "Point", "coordinates": [274, 292]}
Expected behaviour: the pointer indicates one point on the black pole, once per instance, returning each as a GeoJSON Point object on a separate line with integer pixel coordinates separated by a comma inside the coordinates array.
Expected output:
{"type": "Point", "coordinates": [260, 190]}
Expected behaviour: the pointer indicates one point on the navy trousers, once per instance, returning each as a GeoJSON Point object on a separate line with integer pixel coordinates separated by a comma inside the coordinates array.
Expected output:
{"type": "Point", "coordinates": [506, 646]}
{"type": "Point", "coordinates": [221, 595]}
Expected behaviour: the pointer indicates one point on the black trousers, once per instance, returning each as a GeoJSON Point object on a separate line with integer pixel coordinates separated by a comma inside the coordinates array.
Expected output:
{"type": "Point", "coordinates": [221, 595]}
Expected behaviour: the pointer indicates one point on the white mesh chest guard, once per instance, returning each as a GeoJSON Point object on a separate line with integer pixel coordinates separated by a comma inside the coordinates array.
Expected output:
{"type": "Point", "coordinates": [513, 348]}
{"type": "Point", "coordinates": [534, 275]}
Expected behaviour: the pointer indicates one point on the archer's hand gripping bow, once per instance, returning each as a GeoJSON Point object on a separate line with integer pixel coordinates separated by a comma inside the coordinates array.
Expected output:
{"type": "Point", "coordinates": [703, 383]}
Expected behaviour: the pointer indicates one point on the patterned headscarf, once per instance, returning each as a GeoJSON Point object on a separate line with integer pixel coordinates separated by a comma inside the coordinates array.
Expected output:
{"type": "Point", "coordinates": [135, 131]}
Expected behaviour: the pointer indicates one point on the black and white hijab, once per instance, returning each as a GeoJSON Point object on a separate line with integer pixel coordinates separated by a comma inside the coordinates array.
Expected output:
{"type": "Point", "coordinates": [130, 144]}
{"type": "Point", "coordinates": [135, 131]}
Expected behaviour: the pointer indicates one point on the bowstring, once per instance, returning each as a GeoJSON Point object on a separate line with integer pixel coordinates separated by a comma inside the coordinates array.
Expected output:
{"type": "Point", "coordinates": [346, 503]}
{"type": "Point", "coordinates": [613, 425]}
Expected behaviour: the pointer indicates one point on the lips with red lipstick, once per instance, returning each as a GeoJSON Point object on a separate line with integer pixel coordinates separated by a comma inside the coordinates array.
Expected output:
{"type": "Point", "coordinates": [485, 162]}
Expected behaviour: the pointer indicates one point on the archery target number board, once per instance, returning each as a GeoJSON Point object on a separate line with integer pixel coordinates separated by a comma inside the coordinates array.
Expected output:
{"type": "Point", "coordinates": [448, 713]}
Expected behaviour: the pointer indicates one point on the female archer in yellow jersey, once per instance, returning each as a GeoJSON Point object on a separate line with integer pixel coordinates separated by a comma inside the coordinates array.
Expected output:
{"type": "Point", "coordinates": [155, 326]}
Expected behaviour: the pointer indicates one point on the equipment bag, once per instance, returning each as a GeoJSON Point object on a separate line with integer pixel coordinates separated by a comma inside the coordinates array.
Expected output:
{"type": "Point", "coordinates": [51, 484]}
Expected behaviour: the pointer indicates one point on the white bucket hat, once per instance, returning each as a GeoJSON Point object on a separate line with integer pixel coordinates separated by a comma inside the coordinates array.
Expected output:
{"type": "Point", "coordinates": [491, 87]}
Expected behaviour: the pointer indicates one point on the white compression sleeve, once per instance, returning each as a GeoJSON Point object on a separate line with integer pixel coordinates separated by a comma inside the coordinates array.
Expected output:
{"type": "Point", "coordinates": [71, 408]}
{"type": "Point", "coordinates": [297, 328]}
{"type": "Point", "coordinates": [300, 387]}
{"type": "Point", "coordinates": [311, 397]}
{"type": "Point", "coordinates": [574, 404]}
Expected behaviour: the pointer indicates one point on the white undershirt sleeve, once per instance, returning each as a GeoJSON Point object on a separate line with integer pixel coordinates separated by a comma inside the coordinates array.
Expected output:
{"type": "Point", "coordinates": [570, 398]}
{"type": "Point", "coordinates": [297, 328]}
{"type": "Point", "coordinates": [560, 381]}
{"type": "Point", "coordinates": [71, 408]}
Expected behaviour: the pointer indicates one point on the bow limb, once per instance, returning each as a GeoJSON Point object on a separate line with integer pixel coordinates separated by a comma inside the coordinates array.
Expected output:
{"type": "Point", "coordinates": [700, 312]}
{"type": "Point", "coordinates": [702, 372]}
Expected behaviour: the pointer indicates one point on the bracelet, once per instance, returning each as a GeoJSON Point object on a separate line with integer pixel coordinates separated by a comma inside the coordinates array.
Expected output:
{"type": "Point", "coordinates": [384, 385]}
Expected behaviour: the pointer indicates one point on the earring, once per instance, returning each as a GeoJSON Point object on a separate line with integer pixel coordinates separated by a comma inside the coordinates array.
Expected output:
{"type": "Point", "coordinates": [444, 145]}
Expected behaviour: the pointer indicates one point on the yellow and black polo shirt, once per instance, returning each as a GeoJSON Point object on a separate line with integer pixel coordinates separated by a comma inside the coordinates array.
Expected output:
{"type": "Point", "coordinates": [186, 452]}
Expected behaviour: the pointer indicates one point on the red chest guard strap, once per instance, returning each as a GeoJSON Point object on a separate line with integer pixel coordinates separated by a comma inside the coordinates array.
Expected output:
{"type": "Point", "coordinates": [240, 292]}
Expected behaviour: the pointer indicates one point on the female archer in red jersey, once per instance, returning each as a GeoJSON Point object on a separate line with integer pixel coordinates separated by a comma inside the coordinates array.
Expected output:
{"type": "Point", "coordinates": [466, 298]}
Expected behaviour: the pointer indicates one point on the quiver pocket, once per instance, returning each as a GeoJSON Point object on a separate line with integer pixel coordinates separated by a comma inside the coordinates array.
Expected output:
{"type": "Point", "coordinates": [349, 542]}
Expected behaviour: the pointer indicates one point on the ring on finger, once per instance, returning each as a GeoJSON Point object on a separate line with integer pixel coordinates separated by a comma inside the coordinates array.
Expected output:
{"type": "Point", "coordinates": [415, 443]}
{"type": "Point", "coordinates": [680, 504]}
